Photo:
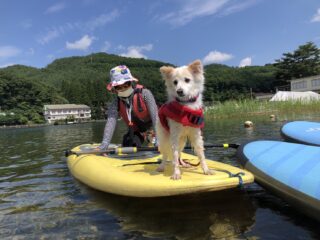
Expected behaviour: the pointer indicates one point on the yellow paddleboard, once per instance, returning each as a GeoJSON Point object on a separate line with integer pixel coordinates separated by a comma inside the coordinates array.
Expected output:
{"type": "Point", "coordinates": [135, 174]}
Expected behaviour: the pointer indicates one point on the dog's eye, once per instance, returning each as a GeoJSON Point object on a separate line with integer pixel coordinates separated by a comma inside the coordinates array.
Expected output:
{"type": "Point", "coordinates": [175, 82]}
{"type": "Point", "coordinates": [187, 80]}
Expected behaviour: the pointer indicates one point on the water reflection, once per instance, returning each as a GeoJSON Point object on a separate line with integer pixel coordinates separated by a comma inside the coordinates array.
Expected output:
{"type": "Point", "coordinates": [284, 225]}
{"type": "Point", "coordinates": [59, 137]}
{"type": "Point", "coordinates": [215, 215]}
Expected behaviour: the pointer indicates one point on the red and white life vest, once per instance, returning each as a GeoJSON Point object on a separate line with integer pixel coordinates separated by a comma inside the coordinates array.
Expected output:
{"type": "Point", "coordinates": [182, 114]}
{"type": "Point", "coordinates": [139, 113]}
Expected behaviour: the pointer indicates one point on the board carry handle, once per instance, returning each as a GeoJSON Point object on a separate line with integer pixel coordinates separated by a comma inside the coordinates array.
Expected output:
{"type": "Point", "coordinates": [127, 150]}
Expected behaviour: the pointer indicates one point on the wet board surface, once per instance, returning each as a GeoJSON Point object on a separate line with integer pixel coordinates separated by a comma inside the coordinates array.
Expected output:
{"type": "Point", "coordinates": [302, 132]}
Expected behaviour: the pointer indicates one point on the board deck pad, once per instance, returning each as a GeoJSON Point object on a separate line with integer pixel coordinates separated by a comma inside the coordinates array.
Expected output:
{"type": "Point", "coordinates": [290, 170]}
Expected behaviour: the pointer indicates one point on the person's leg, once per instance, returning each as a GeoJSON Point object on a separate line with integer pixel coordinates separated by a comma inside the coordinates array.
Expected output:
{"type": "Point", "coordinates": [127, 140]}
{"type": "Point", "coordinates": [135, 140]}
{"type": "Point", "coordinates": [138, 139]}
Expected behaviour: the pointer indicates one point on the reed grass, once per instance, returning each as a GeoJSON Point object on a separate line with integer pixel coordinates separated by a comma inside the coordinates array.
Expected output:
{"type": "Point", "coordinates": [253, 107]}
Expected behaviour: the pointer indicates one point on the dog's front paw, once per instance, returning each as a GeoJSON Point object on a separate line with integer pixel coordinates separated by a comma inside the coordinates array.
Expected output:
{"type": "Point", "coordinates": [162, 165]}
{"type": "Point", "coordinates": [208, 172]}
{"type": "Point", "coordinates": [160, 168]}
{"type": "Point", "coordinates": [176, 175]}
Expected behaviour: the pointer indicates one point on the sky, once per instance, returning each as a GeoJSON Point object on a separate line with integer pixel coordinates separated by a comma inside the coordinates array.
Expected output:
{"type": "Point", "coordinates": [232, 32]}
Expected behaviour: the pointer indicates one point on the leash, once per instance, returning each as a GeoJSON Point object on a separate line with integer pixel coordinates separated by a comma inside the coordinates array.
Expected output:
{"type": "Point", "coordinates": [238, 175]}
{"type": "Point", "coordinates": [231, 175]}
{"type": "Point", "coordinates": [187, 162]}
{"type": "Point", "coordinates": [142, 163]}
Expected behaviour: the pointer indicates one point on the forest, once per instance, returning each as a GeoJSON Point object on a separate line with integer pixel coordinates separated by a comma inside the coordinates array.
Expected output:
{"type": "Point", "coordinates": [82, 80]}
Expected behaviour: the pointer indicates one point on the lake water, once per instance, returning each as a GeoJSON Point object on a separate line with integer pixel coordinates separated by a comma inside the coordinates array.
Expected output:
{"type": "Point", "coordinates": [39, 199]}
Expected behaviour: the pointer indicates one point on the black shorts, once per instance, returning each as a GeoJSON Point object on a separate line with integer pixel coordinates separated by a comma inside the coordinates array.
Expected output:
{"type": "Point", "coordinates": [135, 141]}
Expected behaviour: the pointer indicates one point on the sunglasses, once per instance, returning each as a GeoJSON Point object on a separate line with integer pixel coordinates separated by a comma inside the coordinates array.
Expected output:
{"type": "Point", "coordinates": [122, 86]}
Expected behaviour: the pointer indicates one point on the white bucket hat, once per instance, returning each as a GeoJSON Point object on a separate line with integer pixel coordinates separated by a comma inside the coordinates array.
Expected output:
{"type": "Point", "coordinates": [120, 75]}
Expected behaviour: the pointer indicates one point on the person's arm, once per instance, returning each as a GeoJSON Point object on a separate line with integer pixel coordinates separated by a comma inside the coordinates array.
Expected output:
{"type": "Point", "coordinates": [110, 125]}
{"type": "Point", "coordinates": [151, 105]}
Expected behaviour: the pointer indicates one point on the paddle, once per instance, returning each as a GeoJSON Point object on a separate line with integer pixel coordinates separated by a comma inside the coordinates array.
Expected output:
{"type": "Point", "coordinates": [126, 150]}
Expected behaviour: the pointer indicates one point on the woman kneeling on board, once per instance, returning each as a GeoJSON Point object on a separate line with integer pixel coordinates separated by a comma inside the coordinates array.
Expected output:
{"type": "Point", "coordinates": [134, 103]}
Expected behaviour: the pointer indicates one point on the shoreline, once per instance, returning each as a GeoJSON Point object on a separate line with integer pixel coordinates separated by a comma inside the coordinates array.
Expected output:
{"type": "Point", "coordinates": [44, 124]}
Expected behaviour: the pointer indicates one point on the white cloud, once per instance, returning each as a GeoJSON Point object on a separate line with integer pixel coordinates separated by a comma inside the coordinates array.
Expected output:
{"type": "Point", "coordinates": [50, 35]}
{"type": "Point", "coordinates": [216, 57]}
{"type": "Point", "coordinates": [245, 62]}
{"type": "Point", "coordinates": [136, 51]}
{"type": "Point", "coordinates": [106, 46]}
{"type": "Point", "coordinates": [192, 9]}
{"type": "Point", "coordinates": [133, 53]}
{"type": "Point", "coordinates": [82, 44]}
{"type": "Point", "coordinates": [316, 17]}
{"type": "Point", "coordinates": [91, 25]}
{"type": "Point", "coordinates": [55, 8]}
{"type": "Point", "coordinates": [56, 32]}
{"type": "Point", "coordinates": [237, 7]}
{"type": "Point", "coordinates": [101, 20]}
{"type": "Point", "coordinates": [8, 51]}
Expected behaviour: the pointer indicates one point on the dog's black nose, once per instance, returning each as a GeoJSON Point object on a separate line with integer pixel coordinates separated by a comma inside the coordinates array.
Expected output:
{"type": "Point", "coordinates": [180, 92]}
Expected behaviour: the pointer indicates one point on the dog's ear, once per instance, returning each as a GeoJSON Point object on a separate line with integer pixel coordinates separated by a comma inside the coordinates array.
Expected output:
{"type": "Point", "coordinates": [166, 72]}
{"type": "Point", "coordinates": [196, 67]}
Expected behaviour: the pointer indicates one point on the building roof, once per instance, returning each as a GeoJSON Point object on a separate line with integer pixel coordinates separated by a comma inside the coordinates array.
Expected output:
{"type": "Point", "coordinates": [65, 106]}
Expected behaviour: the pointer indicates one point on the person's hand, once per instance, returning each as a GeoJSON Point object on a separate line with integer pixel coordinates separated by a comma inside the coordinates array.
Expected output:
{"type": "Point", "coordinates": [100, 148]}
{"type": "Point", "coordinates": [97, 149]}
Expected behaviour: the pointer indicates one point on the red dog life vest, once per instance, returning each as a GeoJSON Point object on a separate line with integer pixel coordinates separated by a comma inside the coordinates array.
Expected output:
{"type": "Point", "coordinates": [140, 117]}
{"type": "Point", "coordinates": [182, 114]}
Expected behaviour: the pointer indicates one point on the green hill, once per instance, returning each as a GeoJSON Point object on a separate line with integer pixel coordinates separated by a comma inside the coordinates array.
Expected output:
{"type": "Point", "coordinates": [21, 98]}
{"type": "Point", "coordinates": [82, 80]}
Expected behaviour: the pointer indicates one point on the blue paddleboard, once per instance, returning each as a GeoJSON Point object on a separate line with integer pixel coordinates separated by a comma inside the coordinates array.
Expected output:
{"type": "Point", "coordinates": [302, 132]}
{"type": "Point", "coordinates": [290, 170]}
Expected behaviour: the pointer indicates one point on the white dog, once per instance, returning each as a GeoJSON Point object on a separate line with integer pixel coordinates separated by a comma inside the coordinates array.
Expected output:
{"type": "Point", "coordinates": [181, 118]}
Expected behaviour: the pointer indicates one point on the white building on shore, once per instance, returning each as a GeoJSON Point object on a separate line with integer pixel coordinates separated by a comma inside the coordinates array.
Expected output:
{"type": "Point", "coordinates": [79, 113]}
{"type": "Point", "coordinates": [306, 84]}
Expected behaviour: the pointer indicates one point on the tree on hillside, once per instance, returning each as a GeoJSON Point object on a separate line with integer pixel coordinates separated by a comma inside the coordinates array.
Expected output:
{"type": "Point", "coordinates": [225, 83]}
{"type": "Point", "coordinates": [303, 62]}
{"type": "Point", "coordinates": [25, 99]}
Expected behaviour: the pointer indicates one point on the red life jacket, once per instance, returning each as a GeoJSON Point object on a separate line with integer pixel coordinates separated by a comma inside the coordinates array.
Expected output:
{"type": "Point", "coordinates": [182, 114]}
{"type": "Point", "coordinates": [140, 117]}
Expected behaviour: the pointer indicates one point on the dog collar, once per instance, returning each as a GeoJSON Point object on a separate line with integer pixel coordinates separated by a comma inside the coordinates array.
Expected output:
{"type": "Point", "coordinates": [190, 100]}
